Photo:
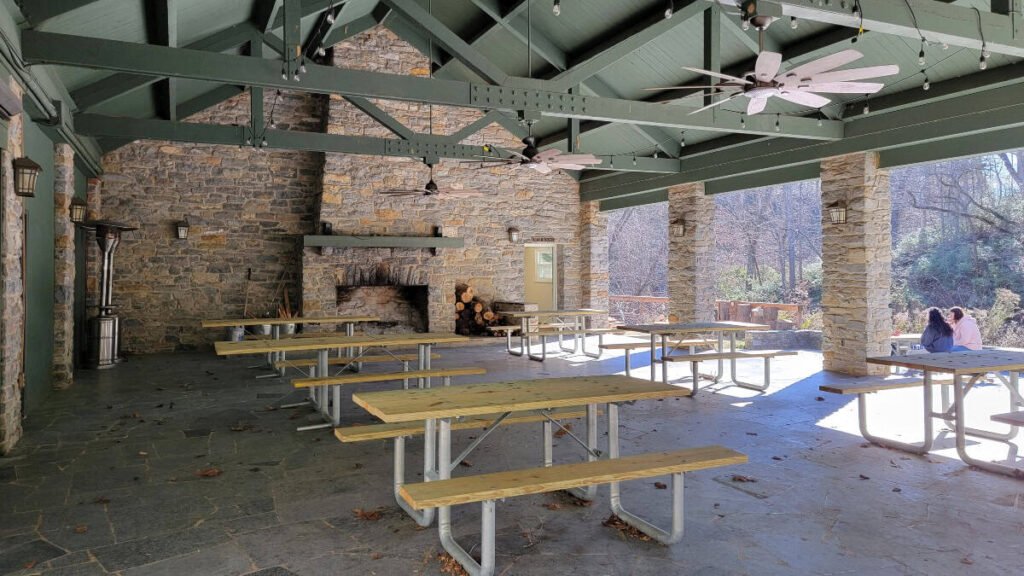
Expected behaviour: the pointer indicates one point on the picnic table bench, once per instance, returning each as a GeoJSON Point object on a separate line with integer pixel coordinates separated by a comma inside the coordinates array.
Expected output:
{"type": "Point", "coordinates": [695, 359]}
{"type": "Point", "coordinates": [439, 491]}
{"type": "Point", "coordinates": [570, 322]}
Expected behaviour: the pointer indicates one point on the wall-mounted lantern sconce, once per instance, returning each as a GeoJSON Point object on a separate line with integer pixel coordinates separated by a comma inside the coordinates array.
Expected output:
{"type": "Point", "coordinates": [182, 228]}
{"type": "Point", "coordinates": [513, 235]}
{"type": "Point", "coordinates": [26, 171]}
{"type": "Point", "coordinates": [326, 229]}
{"type": "Point", "coordinates": [837, 212]}
{"type": "Point", "coordinates": [77, 210]}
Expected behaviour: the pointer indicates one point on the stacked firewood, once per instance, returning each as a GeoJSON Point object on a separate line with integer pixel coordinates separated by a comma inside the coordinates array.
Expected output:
{"type": "Point", "coordinates": [472, 315]}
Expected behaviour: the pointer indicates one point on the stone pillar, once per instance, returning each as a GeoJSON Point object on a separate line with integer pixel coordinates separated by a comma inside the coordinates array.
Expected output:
{"type": "Point", "coordinates": [594, 260]}
{"type": "Point", "coordinates": [856, 264]}
{"type": "Point", "coordinates": [93, 258]}
{"type": "Point", "coordinates": [12, 314]}
{"type": "Point", "coordinates": [63, 265]}
{"type": "Point", "coordinates": [691, 240]}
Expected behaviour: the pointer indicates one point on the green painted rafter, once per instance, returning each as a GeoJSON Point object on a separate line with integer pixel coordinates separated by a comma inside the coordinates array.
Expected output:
{"type": "Point", "coordinates": [39, 11]}
{"type": "Point", "coordinates": [48, 48]}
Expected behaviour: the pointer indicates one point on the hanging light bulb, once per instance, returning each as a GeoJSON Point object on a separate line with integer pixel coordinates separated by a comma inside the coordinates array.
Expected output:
{"type": "Point", "coordinates": [794, 23]}
{"type": "Point", "coordinates": [982, 64]}
{"type": "Point", "coordinates": [321, 51]}
{"type": "Point", "coordinates": [985, 53]}
{"type": "Point", "coordinates": [284, 74]}
{"type": "Point", "coordinates": [302, 68]}
{"type": "Point", "coordinates": [926, 85]}
{"type": "Point", "coordinates": [556, 9]}
{"type": "Point", "coordinates": [867, 107]}
{"type": "Point", "coordinates": [778, 125]}
{"type": "Point", "coordinates": [669, 10]}
{"type": "Point", "coordinates": [745, 25]}
{"type": "Point", "coordinates": [682, 140]}
{"type": "Point", "coordinates": [920, 57]}
{"type": "Point", "coordinates": [820, 121]}
{"type": "Point", "coordinates": [743, 121]}
{"type": "Point", "coordinates": [945, 46]}
{"type": "Point", "coordinates": [330, 16]}
{"type": "Point", "coordinates": [248, 141]}
{"type": "Point", "coordinates": [263, 143]}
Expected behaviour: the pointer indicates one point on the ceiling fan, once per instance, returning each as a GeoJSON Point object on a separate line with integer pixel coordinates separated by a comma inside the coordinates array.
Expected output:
{"type": "Point", "coordinates": [798, 85]}
{"type": "Point", "coordinates": [430, 189]}
{"type": "Point", "coordinates": [542, 161]}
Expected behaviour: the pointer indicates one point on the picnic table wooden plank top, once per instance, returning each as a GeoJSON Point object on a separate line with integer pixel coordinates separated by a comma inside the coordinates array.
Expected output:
{"type": "Point", "coordinates": [510, 396]}
{"type": "Point", "coordinates": [339, 341]}
{"type": "Point", "coordinates": [911, 337]}
{"type": "Point", "coordinates": [970, 362]}
{"type": "Point", "coordinates": [695, 327]}
{"type": "Point", "coordinates": [228, 322]}
{"type": "Point", "coordinates": [555, 313]}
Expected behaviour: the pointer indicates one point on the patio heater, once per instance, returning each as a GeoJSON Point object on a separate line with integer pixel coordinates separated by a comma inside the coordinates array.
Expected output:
{"type": "Point", "coordinates": [105, 327]}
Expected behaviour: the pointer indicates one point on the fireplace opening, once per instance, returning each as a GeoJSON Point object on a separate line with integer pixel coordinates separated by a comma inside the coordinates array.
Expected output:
{"type": "Point", "coordinates": [400, 308]}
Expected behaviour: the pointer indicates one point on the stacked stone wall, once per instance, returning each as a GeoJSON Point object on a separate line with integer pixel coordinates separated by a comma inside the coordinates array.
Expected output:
{"type": "Point", "coordinates": [12, 314]}
{"type": "Point", "coordinates": [63, 266]}
{"type": "Point", "coordinates": [691, 235]}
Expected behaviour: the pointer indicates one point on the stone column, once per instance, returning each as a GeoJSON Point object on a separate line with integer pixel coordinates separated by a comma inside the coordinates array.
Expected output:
{"type": "Point", "coordinates": [92, 254]}
{"type": "Point", "coordinates": [594, 260]}
{"type": "Point", "coordinates": [691, 239]}
{"type": "Point", "coordinates": [63, 265]}
{"type": "Point", "coordinates": [12, 314]}
{"type": "Point", "coordinates": [856, 264]}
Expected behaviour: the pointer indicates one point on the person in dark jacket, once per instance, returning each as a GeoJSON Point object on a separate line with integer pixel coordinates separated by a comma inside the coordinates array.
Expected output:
{"type": "Point", "coordinates": [937, 336]}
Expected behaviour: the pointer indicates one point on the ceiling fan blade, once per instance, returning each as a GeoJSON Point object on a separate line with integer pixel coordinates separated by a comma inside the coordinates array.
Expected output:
{"type": "Point", "coordinates": [542, 168]}
{"type": "Point", "coordinates": [854, 74]}
{"type": "Point", "coordinates": [545, 155]}
{"type": "Point", "coordinates": [756, 105]}
{"type": "Point", "coordinates": [490, 159]}
{"type": "Point", "coordinates": [719, 103]}
{"type": "Point", "coordinates": [459, 192]}
{"type": "Point", "coordinates": [578, 159]}
{"type": "Point", "coordinates": [400, 192]}
{"type": "Point", "coordinates": [563, 166]}
{"type": "Point", "coordinates": [820, 65]}
{"type": "Point", "coordinates": [804, 99]}
{"type": "Point", "coordinates": [844, 87]}
{"type": "Point", "coordinates": [767, 65]}
{"type": "Point", "coordinates": [716, 74]}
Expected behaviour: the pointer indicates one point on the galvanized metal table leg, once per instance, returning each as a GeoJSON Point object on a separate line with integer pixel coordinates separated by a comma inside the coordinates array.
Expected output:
{"type": "Point", "coordinates": [665, 537]}
{"type": "Point", "coordinates": [589, 492]}
{"type": "Point", "coordinates": [961, 432]}
{"type": "Point", "coordinates": [732, 366]}
{"type": "Point", "coordinates": [664, 364]}
{"type": "Point", "coordinates": [444, 515]}
{"type": "Point", "coordinates": [922, 448]}
{"type": "Point", "coordinates": [543, 346]}
{"type": "Point", "coordinates": [654, 369]}
{"type": "Point", "coordinates": [424, 363]}
{"type": "Point", "coordinates": [422, 517]}
{"type": "Point", "coordinates": [350, 330]}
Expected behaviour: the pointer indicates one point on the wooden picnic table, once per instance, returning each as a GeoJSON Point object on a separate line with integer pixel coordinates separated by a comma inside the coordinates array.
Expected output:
{"type": "Point", "coordinates": [973, 364]}
{"type": "Point", "coordinates": [322, 346]}
{"type": "Point", "coordinates": [663, 331]}
{"type": "Point", "coordinates": [574, 318]}
{"type": "Point", "coordinates": [438, 406]}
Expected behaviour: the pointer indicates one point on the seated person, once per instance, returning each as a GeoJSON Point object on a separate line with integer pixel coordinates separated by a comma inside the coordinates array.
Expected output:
{"type": "Point", "coordinates": [966, 335]}
{"type": "Point", "coordinates": [937, 336]}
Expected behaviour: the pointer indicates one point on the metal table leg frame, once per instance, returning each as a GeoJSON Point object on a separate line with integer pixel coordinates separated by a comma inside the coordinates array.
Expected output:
{"type": "Point", "coordinates": [522, 339]}
{"type": "Point", "coordinates": [767, 370]}
{"type": "Point", "coordinates": [589, 492]}
{"type": "Point", "coordinates": [577, 325]}
{"type": "Point", "coordinates": [948, 416]}
{"type": "Point", "coordinates": [444, 515]}
{"type": "Point", "coordinates": [595, 355]}
{"type": "Point", "coordinates": [922, 448]}
{"type": "Point", "coordinates": [543, 349]}
{"type": "Point", "coordinates": [658, 534]}
{"type": "Point", "coordinates": [322, 398]}
{"type": "Point", "coordinates": [421, 517]}
{"type": "Point", "coordinates": [961, 432]}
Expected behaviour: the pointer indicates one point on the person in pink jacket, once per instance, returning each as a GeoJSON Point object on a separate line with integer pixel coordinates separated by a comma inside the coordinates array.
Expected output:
{"type": "Point", "coordinates": [966, 335]}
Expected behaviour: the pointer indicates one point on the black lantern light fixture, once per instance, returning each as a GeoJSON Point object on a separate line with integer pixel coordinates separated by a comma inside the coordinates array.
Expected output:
{"type": "Point", "coordinates": [26, 171]}
{"type": "Point", "coordinates": [77, 210]}
{"type": "Point", "coordinates": [513, 235]}
{"type": "Point", "coordinates": [182, 228]}
{"type": "Point", "coordinates": [837, 212]}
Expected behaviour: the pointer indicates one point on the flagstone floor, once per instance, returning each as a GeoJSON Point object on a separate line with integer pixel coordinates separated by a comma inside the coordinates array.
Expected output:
{"type": "Point", "coordinates": [185, 464]}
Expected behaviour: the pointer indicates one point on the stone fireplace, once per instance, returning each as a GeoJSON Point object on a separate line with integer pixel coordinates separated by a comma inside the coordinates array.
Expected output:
{"type": "Point", "coordinates": [402, 306]}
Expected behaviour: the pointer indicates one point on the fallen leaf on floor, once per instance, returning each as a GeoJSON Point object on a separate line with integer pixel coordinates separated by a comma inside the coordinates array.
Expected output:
{"type": "Point", "coordinates": [466, 463]}
{"type": "Point", "coordinates": [369, 514]}
{"type": "Point", "coordinates": [897, 489]}
{"type": "Point", "coordinates": [660, 485]}
{"type": "Point", "coordinates": [554, 506]}
{"type": "Point", "coordinates": [31, 564]}
{"type": "Point", "coordinates": [295, 416]}
{"type": "Point", "coordinates": [933, 461]}
{"type": "Point", "coordinates": [562, 431]}
{"type": "Point", "coordinates": [751, 433]}
{"type": "Point", "coordinates": [208, 473]}
{"type": "Point", "coordinates": [579, 501]}
{"type": "Point", "coordinates": [742, 478]}
{"type": "Point", "coordinates": [776, 457]}
{"type": "Point", "coordinates": [141, 453]}
{"type": "Point", "coordinates": [376, 556]}
{"type": "Point", "coordinates": [863, 477]}
{"type": "Point", "coordinates": [614, 521]}
{"type": "Point", "coordinates": [357, 466]}
{"type": "Point", "coordinates": [256, 469]}
{"type": "Point", "coordinates": [81, 528]}
{"type": "Point", "coordinates": [966, 560]}
{"type": "Point", "coordinates": [451, 566]}
{"type": "Point", "coordinates": [241, 428]}
{"type": "Point", "coordinates": [819, 398]}
{"type": "Point", "coordinates": [865, 445]}
{"type": "Point", "coordinates": [101, 500]}
{"type": "Point", "coordinates": [270, 408]}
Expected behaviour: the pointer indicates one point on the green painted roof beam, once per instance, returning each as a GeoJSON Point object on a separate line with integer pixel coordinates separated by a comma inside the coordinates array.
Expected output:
{"type": "Point", "coordinates": [974, 145]}
{"type": "Point", "coordinates": [605, 52]}
{"type": "Point", "coordinates": [264, 13]}
{"type": "Point", "coordinates": [937, 21]}
{"type": "Point", "coordinates": [349, 29]}
{"type": "Point", "coordinates": [48, 48]}
{"type": "Point", "coordinates": [477, 125]}
{"type": "Point", "coordinates": [163, 16]}
{"type": "Point", "coordinates": [514, 22]}
{"type": "Point", "coordinates": [450, 41]}
{"type": "Point", "coordinates": [381, 117]}
{"type": "Point", "coordinates": [762, 179]}
{"type": "Point", "coordinates": [291, 36]}
{"type": "Point", "coordinates": [39, 11]}
{"type": "Point", "coordinates": [635, 200]}
{"type": "Point", "coordinates": [494, 9]}
{"type": "Point", "coordinates": [630, 163]}
{"type": "Point", "coordinates": [954, 118]}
